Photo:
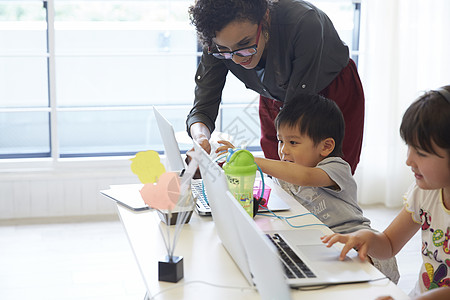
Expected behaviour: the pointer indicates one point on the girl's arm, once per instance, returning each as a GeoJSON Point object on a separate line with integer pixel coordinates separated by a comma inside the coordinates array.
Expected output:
{"type": "Point", "coordinates": [401, 230]}
{"type": "Point", "coordinates": [294, 173]}
{"type": "Point", "coordinates": [380, 245]}
{"type": "Point", "coordinates": [442, 293]}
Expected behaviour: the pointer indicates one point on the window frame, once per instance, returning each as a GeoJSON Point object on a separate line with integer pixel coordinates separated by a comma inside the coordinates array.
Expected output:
{"type": "Point", "coordinates": [53, 110]}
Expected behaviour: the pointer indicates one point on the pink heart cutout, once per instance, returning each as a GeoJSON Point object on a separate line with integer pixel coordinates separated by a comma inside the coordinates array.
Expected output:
{"type": "Point", "coordinates": [164, 194]}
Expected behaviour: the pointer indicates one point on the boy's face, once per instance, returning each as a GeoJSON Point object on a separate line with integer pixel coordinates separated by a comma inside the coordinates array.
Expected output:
{"type": "Point", "coordinates": [430, 170]}
{"type": "Point", "coordinates": [297, 148]}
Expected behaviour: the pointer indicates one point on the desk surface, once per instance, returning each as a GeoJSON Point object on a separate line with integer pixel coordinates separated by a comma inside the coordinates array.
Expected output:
{"type": "Point", "coordinates": [210, 273]}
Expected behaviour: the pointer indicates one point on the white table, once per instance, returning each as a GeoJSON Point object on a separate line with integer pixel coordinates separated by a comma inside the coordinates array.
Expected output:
{"type": "Point", "coordinates": [210, 273]}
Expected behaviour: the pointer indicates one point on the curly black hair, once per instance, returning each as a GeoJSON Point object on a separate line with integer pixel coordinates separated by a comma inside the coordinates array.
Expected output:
{"type": "Point", "coordinates": [211, 16]}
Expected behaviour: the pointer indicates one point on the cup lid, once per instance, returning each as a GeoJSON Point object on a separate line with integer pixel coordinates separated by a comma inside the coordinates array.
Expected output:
{"type": "Point", "coordinates": [240, 163]}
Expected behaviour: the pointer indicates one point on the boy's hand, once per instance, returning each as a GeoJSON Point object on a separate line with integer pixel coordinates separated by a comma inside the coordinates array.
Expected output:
{"type": "Point", "coordinates": [224, 149]}
{"type": "Point", "coordinates": [359, 240]}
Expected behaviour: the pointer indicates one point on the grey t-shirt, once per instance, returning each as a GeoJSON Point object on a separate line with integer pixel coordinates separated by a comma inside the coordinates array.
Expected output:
{"type": "Point", "coordinates": [335, 207]}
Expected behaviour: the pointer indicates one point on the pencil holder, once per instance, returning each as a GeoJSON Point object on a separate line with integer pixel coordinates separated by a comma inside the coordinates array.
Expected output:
{"type": "Point", "coordinates": [170, 269]}
{"type": "Point", "coordinates": [181, 213]}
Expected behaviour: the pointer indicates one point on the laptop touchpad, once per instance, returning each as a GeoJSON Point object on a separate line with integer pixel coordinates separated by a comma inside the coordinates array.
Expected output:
{"type": "Point", "coordinates": [320, 253]}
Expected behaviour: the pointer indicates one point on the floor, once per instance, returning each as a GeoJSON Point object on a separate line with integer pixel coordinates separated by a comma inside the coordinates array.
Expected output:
{"type": "Point", "coordinates": [89, 258]}
{"type": "Point", "coordinates": [83, 259]}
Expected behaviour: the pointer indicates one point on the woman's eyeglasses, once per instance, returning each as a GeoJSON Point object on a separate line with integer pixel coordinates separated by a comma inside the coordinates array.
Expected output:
{"type": "Point", "coordinates": [243, 52]}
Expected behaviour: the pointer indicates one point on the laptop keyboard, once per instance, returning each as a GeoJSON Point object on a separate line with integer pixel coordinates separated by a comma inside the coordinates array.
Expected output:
{"type": "Point", "coordinates": [197, 190]}
{"type": "Point", "coordinates": [294, 267]}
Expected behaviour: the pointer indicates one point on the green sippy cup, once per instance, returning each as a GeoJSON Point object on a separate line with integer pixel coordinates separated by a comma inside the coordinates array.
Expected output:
{"type": "Point", "coordinates": [240, 169]}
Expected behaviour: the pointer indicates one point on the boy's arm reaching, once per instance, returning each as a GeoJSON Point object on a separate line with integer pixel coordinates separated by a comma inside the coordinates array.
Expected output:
{"type": "Point", "coordinates": [381, 245]}
{"type": "Point", "coordinates": [287, 171]}
{"type": "Point", "coordinates": [294, 173]}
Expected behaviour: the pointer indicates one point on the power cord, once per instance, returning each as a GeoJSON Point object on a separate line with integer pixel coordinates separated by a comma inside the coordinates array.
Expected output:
{"type": "Point", "coordinates": [242, 288]}
{"type": "Point", "coordinates": [274, 215]}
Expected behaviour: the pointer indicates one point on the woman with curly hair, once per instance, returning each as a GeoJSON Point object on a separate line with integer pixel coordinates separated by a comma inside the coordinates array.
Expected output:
{"type": "Point", "coordinates": [278, 49]}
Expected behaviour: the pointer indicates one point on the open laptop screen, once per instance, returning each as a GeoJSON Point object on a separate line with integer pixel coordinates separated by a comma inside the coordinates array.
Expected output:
{"type": "Point", "coordinates": [216, 187]}
{"type": "Point", "coordinates": [171, 149]}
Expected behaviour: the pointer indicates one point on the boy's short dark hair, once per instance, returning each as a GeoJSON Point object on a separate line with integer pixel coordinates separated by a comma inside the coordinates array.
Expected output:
{"type": "Point", "coordinates": [317, 117]}
{"type": "Point", "coordinates": [427, 120]}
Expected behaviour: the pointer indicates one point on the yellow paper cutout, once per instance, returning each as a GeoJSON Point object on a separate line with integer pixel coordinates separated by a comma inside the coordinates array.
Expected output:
{"type": "Point", "coordinates": [147, 166]}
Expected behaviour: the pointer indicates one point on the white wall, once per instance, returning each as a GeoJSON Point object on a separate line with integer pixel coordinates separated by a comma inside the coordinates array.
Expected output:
{"type": "Point", "coordinates": [68, 189]}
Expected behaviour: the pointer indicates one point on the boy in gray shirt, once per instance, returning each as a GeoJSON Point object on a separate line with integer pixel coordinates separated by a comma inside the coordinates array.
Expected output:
{"type": "Point", "coordinates": [310, 132]}
{"type": "Point", "coordinates": [335, 205]}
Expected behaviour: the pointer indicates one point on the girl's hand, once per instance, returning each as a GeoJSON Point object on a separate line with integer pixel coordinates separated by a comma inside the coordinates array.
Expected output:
{"type": "Point", "coordinates": [223, 149]}
{"type": "Point", "coordinates": [359, 240]}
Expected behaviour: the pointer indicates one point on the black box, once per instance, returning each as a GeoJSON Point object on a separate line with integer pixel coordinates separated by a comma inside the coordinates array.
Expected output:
{"type": "Point", "coordinates": [170, 270]}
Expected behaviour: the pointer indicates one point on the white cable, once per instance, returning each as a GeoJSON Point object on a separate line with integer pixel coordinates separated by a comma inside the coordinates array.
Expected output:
{"type": "Point", "coordinates": [242, 288]}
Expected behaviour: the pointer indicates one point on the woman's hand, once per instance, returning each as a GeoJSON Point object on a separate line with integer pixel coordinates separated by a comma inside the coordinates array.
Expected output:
{"type": "Point", "coordinates": [200, 133]}
{"type": "Point", "coordinates": [204, 143]}
{"type": "Point", "coordinates": [359, 240]}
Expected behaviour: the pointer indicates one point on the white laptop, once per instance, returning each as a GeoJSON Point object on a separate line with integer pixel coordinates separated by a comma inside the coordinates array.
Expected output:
{"type": "Point", "coordinates": [127, 195]}
{"type": "Point", "coordinates": [262, 256]}
{"type": "Point", "coordinates": [176, 163]}
{"type": "Point", "coordinates": [215, 183]}
{"type": "Point", "coordinates": [320, 265]}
